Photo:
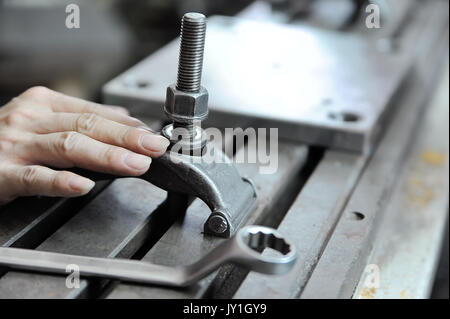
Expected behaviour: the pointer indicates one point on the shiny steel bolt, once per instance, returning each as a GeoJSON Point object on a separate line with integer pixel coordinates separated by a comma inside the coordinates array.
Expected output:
{"type": "Point", "coordinates": [190, 63]}
{"type": "Point", "coordinates": [187, 101]}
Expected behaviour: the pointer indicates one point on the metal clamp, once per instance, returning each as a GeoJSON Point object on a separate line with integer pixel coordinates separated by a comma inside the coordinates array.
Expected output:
{"type": "Point", "coordinates": [217, 182]}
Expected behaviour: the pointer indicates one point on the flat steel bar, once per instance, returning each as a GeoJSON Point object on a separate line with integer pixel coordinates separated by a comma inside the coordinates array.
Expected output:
{"type": "Point", "coordinates": [408, 245]}
{"type": "Point", "coordinates": [27, 227]}
{"type": "Point", "coordinates": [17, 215]}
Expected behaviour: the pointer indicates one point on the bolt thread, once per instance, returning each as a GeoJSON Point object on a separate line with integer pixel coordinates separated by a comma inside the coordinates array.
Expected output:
{"type": "Point", "coordinates": [193, 30]}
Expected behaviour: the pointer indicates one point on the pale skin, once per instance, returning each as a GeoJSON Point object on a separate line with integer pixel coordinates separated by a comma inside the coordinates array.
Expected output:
{"type": "Point", "coordinates": [43, 132]}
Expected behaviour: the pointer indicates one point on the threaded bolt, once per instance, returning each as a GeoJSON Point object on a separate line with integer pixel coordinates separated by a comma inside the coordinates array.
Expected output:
{"type": "Point", "coordinates": [190, 63]}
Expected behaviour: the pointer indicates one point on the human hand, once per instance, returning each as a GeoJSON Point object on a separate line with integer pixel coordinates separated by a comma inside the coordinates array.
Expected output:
{"type": "Point", "coordinates": [42, 128]}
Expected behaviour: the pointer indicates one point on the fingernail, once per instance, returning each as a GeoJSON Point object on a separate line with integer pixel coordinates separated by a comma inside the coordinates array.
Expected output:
{"type": "Point", "coordinates": [154, 142]}
{"type": "Point", "coordinates": [80, 184]}
{"type": "Point", "coordinates": [136, 161]}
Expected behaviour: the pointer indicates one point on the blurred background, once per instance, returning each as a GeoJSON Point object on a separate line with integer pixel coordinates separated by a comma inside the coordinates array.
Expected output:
{"type": "Point", "coordinates": [36, 48]}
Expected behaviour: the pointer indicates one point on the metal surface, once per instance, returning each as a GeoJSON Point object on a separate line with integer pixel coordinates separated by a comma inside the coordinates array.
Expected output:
{"type": "Point", "coordinates": [338, 271]}
{"type": "Point", "coordinates": [334, 208]}
{"type": "Point", "coordinates": [328, 255]}
{"type": "Point", "coordinates": [352, 241]}
{"type": "Point", "coordinates": [114, 225]}
{"type": "Point", "coordinates": [130, 215]}
{"type": "Point", "coordinates": [25, 223]}
{"type": "Point", "coordinates": [183, 243]}
{"type": "Point", "coordinates": [316, 86]}
{"type": "Point", "coordinates": [309, 222]}
{"type": "Point", "coordinates": [407, 249]}
{"type": "Point", "coordinates": [244, 249]}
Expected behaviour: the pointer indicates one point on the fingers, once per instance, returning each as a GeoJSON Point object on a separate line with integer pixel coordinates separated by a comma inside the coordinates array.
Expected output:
{"type": "Point", "coordinates": [63, 103]}
{"type": "Point", "coordinates": [106, 131]}
{"type": "Point", "coordinates": [39, 180]}
{"type": "Point", "coordinates": [70, 132]}
{"type": "Point", "coordinates": [58, 102]}
{"type": "Point", "coordinates": [119, 109]}
{"type": "Point", "coordinates": [69, 149]}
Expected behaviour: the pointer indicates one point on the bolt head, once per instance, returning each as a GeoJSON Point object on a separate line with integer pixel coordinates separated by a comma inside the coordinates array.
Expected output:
{"type": "Point", "coordinates": [218, 224]}
{"type": "Point", "coordinates": [186, 107]}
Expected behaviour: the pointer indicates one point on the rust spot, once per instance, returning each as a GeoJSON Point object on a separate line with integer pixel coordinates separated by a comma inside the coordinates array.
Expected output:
{"type": "Point", "coordinates": [403, 294]}
{"type": "Point", "coordinates": [419, 193]}
{"type": "Point", "coordinates": [351, 235]}
{"type": "Point", "coordinates": [423, 197]}
{"type": "Point", "coordinates": [368, 293]}
{"type": "Point", "coordinates": [434, 158]}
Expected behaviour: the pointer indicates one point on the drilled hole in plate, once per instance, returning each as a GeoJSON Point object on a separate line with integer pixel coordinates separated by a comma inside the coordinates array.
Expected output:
{"type": "Point", "coordinates": [357, 216]}
{"type": "Point", "coordinates": [344, 116]}
{"type": "Point", "coordinates": [142, 84]}
{"type": "Point", "coordinates": [260, 241]}
{"type": "Point", "coordinates": [131, 82]}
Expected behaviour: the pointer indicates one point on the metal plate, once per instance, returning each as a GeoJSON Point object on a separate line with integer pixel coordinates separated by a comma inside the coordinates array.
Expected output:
{"type": "Point", "coordinates": [316, 86]}
{"type": "Point", "coordinates": [408, 249]}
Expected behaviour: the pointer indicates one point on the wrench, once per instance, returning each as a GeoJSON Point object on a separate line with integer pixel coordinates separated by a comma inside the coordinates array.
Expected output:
{"type": "Point", "coordinates": [244, 249]}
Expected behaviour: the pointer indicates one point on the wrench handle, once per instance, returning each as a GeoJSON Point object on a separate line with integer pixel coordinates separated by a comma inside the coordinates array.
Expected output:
{"type": "Point", "coordinates": [112, 268]}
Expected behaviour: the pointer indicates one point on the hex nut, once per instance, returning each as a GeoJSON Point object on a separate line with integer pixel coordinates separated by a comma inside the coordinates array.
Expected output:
{"type": "Point", "coordinates": [186, 107]}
